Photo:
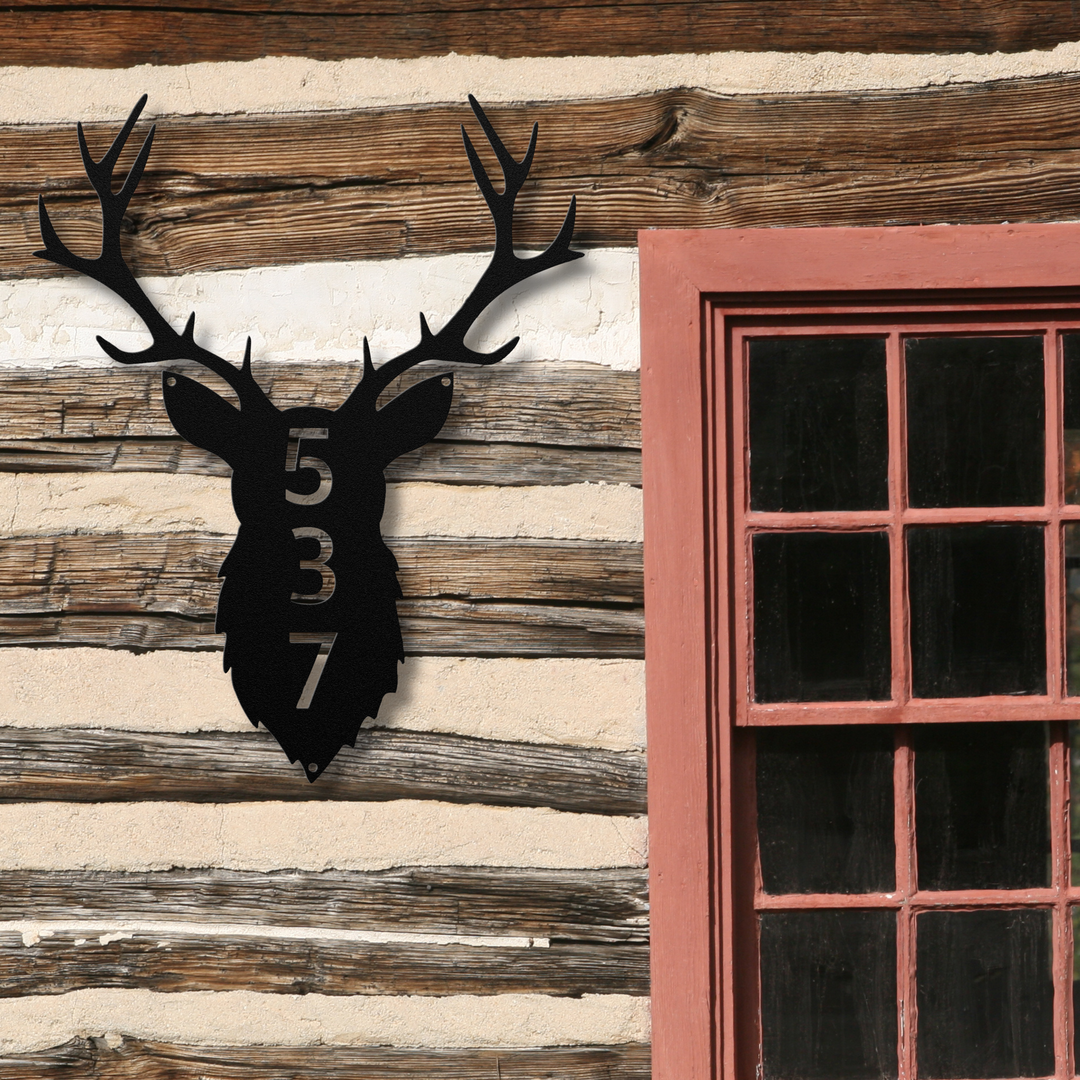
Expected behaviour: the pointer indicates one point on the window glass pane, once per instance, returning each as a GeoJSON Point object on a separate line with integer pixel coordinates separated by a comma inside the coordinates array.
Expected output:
{"type": "Point", "coordinates": [976, 610]}
{"type": "Point", "coordinates": [982, 810]}
{"type": "Point", "coordinates": [825, 809]}
{"type": "Point", "coordinates": [1076, 985]}
{"type": "Point", "coordinates": [818, 424]}
{"type": "Point", "coordinates": [975, 421]}
{"type": "Point", "coordinates": [1074, 803]}
{"type": "Point", "coordinates": [1072, 608]}
{"type": "Point", "coordinates": [985, 994]}
{"type": "Point", "coordinates": [828, 995]}
{"type": "Point", "coordinates": [1071, 415]}
{"type": "Point", "coordinates": [821, 616]}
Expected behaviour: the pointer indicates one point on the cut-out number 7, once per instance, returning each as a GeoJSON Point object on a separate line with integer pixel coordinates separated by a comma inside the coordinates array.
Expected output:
{"type": "Point", "coordinates": [325, 643]}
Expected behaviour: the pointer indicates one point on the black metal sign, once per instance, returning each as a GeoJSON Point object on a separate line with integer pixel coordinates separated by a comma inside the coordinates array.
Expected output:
{"type": "Point", "coordinates": [308, 604]}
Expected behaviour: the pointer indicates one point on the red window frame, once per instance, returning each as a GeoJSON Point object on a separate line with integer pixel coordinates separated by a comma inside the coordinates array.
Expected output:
{"type": "Point", "coordinates": [701, 292]}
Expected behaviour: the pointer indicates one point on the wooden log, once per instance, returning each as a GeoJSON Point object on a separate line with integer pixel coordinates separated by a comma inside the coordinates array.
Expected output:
{"type": "Point", "coordinates": [238, 192]}
{"type": "Point", "coordinates": [439, 462]}
{"type": "Point", "coordinates": [553, 404]}
{"type": "Point", "coordinates": [129, 33]}
{"type": "Point", "coordinates": [534, 423]}
{"type": "Point", "coordinates": [563, 905]}
{"type": "Point", "coordinates": [603, 138]}
{"type": "Point", "coordinates": [455, 628]}
{"type": "Point", "coordinates": [429, 628]}
{"type": "Point", "coordinates": [75, 765]}
{"type": "Point", "coordinates": [178, 573]}
{"type": "Point", "coordinates": [173, 963]}
{"type": "Point", "coordinates": [134, 1059]}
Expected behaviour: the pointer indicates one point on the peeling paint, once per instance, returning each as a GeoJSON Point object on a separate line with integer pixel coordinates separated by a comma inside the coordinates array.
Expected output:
{"type": "Point", "coordinates": [120, 935]}
{"type": "Point", "coordinates": [106, 933]}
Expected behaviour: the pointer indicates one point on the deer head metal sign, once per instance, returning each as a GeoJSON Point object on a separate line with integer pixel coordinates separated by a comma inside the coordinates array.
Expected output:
{"type": "Point", "coordinates": [308, 604]}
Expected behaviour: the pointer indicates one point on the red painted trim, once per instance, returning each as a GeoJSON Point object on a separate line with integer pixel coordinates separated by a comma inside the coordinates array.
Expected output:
{"type": "Point", "coordinates": [676, 655]}
{"type": "Point", "coordinates": [927, 711]}
{"type": "Point", "coordinates": [1062, 955]}
{"type": "Point", "coordinates": [890, 259]}
{"type": "Point", "coordinates": [696, 287]}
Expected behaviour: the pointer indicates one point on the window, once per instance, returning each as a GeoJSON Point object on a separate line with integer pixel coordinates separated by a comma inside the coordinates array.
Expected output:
{"type": "Point", "coordinates": [863, 650]}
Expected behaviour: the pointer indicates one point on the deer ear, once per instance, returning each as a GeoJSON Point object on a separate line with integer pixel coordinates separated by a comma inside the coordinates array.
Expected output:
{"type": "Point", "coordinates": [413, 418]}
{"type": "Point", "coordinates": [199, 415]}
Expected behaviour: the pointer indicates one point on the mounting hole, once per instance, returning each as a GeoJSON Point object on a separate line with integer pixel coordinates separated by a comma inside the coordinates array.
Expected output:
{"type": "Point", "coordinates": [446, 380]}
{"type": "Point", "coordinates": [171, 381]}
{"type": "Point", "coordinates": [313, 767]}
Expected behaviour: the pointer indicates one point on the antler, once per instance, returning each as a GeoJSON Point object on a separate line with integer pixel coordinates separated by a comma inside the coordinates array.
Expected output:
{"type": "Point", "coordinates": [110, 269]}
{"type": "Point", "coordinates": [503, 272]}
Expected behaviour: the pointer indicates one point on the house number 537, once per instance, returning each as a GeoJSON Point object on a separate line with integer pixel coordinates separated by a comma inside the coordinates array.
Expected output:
{"type": "Point", "coordinates": [293, 463]}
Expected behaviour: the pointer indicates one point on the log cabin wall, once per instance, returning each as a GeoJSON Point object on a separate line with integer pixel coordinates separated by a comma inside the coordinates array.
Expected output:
{"type": "Point", "coordinates": [464, 894]}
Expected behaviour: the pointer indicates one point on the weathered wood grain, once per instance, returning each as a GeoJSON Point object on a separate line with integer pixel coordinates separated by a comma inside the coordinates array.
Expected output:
{"type": "Point", "coordinates": [76, 765]}
{"type": "Point", "coordinates": [533, 423]}
{"type": "Point", "coordinates": [563, 905]}
{"type": "Point", "coordinates": [94, 1059]}
{"type": "Point", "coordinates": [177, 573]}
{"type": "Point", "coordinates": [188, 31]}
{"type": "Point", "coordinates": [556, 404]}
{"type": "Point", "coordinates": [462, 597]}
{"type": "Point", "coordinates": [429, 628]}
{"type": "Point", "coordinates": [439, 462]}
{"type": "Point", "coordinates": [237, 192]}
{"type": "Point", "coordinates": [176, 963]}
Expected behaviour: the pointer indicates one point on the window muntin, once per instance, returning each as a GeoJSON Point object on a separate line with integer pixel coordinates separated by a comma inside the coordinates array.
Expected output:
{"type": "Point", "coordinates": [1015, 665]}
{"type": "Point", "coordinates": [975, 913]}
{"type": "Point", "coordinates": [953, 962]}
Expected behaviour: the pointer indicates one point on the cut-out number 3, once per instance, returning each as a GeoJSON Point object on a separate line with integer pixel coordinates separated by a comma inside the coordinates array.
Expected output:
{"type": "Point", "coordinates": [325, 643]}
{"type": "Point", "coordinates": [326, 551]}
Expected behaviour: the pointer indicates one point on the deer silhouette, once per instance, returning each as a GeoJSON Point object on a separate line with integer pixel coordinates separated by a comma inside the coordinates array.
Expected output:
{"type": "Point", "coordinates": [308, 603]}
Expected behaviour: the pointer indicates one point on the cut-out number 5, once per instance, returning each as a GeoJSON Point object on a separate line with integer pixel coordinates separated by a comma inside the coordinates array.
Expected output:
{"type": "Point", "coordinates": [294, 462]}
{"type": "Point", "coordinates": [325, 643]}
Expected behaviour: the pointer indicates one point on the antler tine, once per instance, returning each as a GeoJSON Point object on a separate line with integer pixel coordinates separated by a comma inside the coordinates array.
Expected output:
{"type": "Point", "coordinates": [112, 155]}
{"type": "Point", "coordinates": [505, 270]}
{"type": "Point", "coordinates": [100, 173]}
{"type": "Point", "coordinates": [514, 172]}
{"type": "Point", "coordinates": [111, 270]}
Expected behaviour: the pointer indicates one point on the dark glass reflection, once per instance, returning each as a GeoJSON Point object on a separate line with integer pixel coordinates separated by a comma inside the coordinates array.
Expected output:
{"type": "Point", "coordinates": [825, 809]}
{"type": "Point", "coordinates": [1072, 609]}
{"type": "Point", "coordinates": [1076, 982]}
{"type": "Point", "coordinates": [985, 994]}
{"type": "Point", "coordinates": [975, 421]}
{"type": "Point", "coordinates": [982, 811]}
{"type": "Point", "coordinates": [976, 610]}
{"type": "Point", "coordinates": [818, 424]}
{"type": "Point", "coordinates": [1074, 806]}
{"type": "Point", "coordinates": [828, 995]}
{"type": "Point", "coordinates": [821, 616]}
{"type": "Point", "coordinates": [1071, 415]}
